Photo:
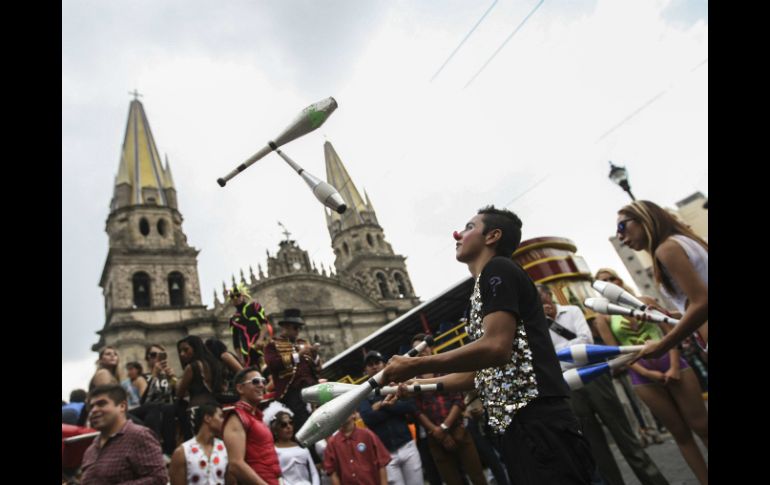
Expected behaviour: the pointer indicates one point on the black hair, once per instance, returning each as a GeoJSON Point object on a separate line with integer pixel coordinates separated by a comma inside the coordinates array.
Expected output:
{"type": "Point", "coordinates": [200, 352]}
{"type": "Point", "coordinates": [115, 392]}
{"type": "Point", "coordinates": [510, 225]}
{"type": "Point", "coordinates": [135, 365]}
{"type": "Point", "coordinates": [216, 347]}
{"type": "Point", "coordinates": [238, 379]}
{"type": "Point", "coordinates": [78, 395]}
{"type": "Point", "coordinates": [206, 409]}
{"type": "Point", "coordinates": [274, 425]}
{"type": "Point", "coordinates": [419, 337]}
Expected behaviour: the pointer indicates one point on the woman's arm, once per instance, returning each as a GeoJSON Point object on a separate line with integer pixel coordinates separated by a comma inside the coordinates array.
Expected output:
{"type": "Point", "coordinates": [141, 385]}
{"type": "Point", "coordinates": [184, 384]}
{"type": "Point", "coordinates": [231, 362]}
{"type": "Point", "coordinates": [672, 256]}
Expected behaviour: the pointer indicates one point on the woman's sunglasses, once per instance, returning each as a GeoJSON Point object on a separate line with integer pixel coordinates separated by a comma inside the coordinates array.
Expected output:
{"type": "Point", "coordinates": [622, 226]}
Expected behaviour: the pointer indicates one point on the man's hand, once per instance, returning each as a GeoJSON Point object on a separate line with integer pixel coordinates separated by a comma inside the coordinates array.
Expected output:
{"type": "Point", "coordinates": [305, 350]}
{"type": "Point", "coordinates": [448, 443]}
{"type": "Point", "coordinates": [439, 434]}
{"type": "Point", "coordinates": [399, 369]}
{"type": "Point", "coordinates": [389, 400]}
{"type": "Point", "coordinates": [402, 390]}
{"type": "Point", "coordinates": [157, 369]}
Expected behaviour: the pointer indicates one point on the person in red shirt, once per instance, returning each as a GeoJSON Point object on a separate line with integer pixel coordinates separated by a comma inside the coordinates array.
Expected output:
{"type": "Point", "coordinates": [356, 455]}
{"type": "Point", "coordinates": [248, 440]}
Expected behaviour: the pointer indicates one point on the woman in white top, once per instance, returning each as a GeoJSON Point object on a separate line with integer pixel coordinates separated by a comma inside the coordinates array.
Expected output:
{"type": "Point", "coordinates": [680, 266]}
{"type": "Point", "coordinates": [296, 462]}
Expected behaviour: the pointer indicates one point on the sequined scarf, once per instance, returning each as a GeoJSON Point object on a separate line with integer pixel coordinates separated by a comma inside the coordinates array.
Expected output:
{"type": "Point", "coordinates": [505, 389]}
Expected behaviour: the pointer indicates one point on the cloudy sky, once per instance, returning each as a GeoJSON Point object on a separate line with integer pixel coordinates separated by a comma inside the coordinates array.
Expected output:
{"type": "Point", "coordinates": [579, 83]}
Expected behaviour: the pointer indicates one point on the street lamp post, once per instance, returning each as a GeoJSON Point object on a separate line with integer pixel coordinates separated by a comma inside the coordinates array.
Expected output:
{"type": "Point", "coordinates": [619, 175]}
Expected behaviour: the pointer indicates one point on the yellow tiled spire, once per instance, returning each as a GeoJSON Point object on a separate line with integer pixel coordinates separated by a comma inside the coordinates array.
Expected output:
{"type": "Point", "coordinates": [140, 163]}
{"type": "Point", "coordinates": [337, 175]}
{"type": "Point", "coordinates": [168, 181]}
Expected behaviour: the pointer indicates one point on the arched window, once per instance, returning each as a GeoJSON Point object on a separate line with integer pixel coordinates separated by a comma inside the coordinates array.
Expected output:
{"type": "Point", "coordinates": [162, 227]}
{"type": "Point", "coordinates": [383, 285]}
{"type": "Point", "coordinates": [176, 289]}
{"type": "Point", "coordinates": [370, 240]}
{"type": "Point", "coordinates": [144, 227]}
{"type": "Point", "coordinates": [400, 285]}
{"type": "Point", "coordinates": [347, 250]}
{"type": "Point", "coordinates": [141, 282]}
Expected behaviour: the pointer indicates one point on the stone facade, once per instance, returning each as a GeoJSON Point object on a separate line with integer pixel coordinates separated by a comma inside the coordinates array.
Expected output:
{"type": "Point", "coordinates": [150, 279]}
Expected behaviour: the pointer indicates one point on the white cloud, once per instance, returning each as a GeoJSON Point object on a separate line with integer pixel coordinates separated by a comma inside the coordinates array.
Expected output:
{"type": "Point", "coordinates": [76, 374]}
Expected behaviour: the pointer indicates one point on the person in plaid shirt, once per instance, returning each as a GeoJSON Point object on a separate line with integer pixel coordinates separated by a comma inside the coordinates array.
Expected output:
{"type": "Point", "coordinates": [124, 452]}
{"type": "Point", "coordinates": [449, 442]}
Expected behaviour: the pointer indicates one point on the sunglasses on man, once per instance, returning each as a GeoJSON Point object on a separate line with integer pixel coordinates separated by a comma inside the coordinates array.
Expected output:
{"type": "Point", "coordinates": [257, 381]}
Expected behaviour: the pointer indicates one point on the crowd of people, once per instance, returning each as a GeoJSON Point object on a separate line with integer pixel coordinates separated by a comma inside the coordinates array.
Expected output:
{"type": "Point", "coordinates": [506, 415]}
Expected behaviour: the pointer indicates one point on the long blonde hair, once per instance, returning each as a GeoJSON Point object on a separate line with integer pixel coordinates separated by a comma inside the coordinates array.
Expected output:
{"type": "Point", "coordinates": [658, 225]}
{"type": "Point", "coordinates": [614, 275]}
{"type": "Point", "coordinates": [116, 371]}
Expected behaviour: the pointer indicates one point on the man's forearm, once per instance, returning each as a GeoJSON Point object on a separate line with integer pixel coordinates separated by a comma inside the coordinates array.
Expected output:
{"type": "Point", "coordinates": [457, 382]}
{"type": "Point", "coordinates": [454, 413]}
{"type": "Point", "coordinates": [427, 423]}
{"type": "Point", "coordinates": [335, 479]}
{"type": "Point", "coordinates": [474, 356]}
{"type": "Point", "coordinates": [245, 474]}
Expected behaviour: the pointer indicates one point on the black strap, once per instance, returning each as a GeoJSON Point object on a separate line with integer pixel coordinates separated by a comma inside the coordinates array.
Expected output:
{"type": "Point", "coordinates": [559, 330]}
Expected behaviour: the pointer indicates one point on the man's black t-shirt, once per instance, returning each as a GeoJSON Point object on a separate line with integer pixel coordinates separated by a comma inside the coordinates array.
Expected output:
{"type": "Point", "coordinates": [505, 286]}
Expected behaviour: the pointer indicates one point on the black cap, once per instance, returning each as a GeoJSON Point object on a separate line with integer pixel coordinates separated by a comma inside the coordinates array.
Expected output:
{"type": "Point", "coordinates": [373, 355]}
{"type": "Point", "coordinates": [292, 315]}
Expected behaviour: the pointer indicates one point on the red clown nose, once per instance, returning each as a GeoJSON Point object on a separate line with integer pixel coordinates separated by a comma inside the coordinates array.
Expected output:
{"type": "Point", "coordinates": [456, 235]}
